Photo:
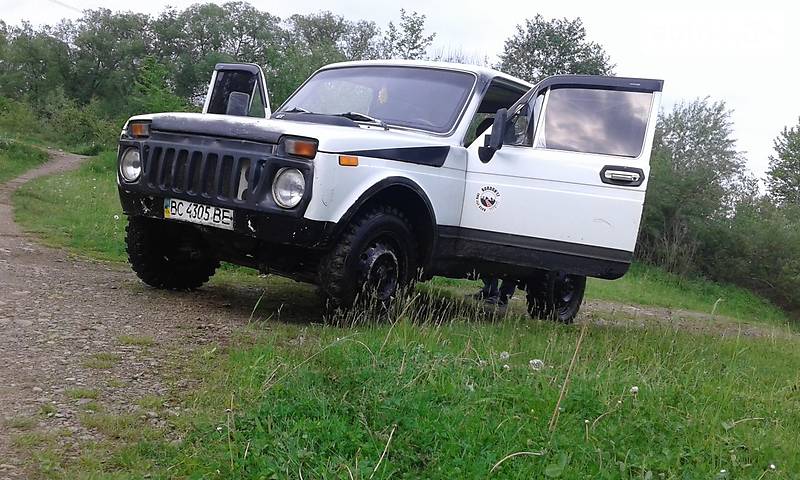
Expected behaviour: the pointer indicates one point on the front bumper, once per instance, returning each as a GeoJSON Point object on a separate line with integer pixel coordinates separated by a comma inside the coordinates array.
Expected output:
{"type": "Point", "coordinates": [269, 227]}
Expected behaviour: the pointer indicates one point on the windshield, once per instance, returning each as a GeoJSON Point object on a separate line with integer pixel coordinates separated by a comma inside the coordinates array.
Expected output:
{"type": "Point", "coordinates": [422, 98]}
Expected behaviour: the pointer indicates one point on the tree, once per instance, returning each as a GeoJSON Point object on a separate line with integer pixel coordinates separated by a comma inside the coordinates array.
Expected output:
{"type": "Point", "coordinates": [783, 176]}
{"type": "Point", "coordinates": [697, 177]}
{"type": "Point", "coordinates": [151, 92]}
{"type": "Point", "coordinates": [543, 47]}
{"type": "Point", "coordinates": [408, 41]}
{"type": "Point", "coordinates": [108, 49]}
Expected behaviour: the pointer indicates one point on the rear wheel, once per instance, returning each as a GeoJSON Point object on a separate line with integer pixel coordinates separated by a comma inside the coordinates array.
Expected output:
{"type": "Point", "coordinates": [555, 296]}
{"type": "Point", "coordinates": [373, 260]}
{"type": "Point", "coordinates": [167, 255]}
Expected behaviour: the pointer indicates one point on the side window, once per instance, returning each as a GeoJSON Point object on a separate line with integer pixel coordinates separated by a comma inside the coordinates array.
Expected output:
{"type": "Point", "coordinates": [523, 123]}
{"type": "Point", "coordinates": [609, 122]}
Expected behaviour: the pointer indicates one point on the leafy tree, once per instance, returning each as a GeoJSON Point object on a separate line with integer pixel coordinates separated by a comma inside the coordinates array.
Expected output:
{"type": "Point", "coordinates": [783, 176]}
{"type": "Point", "coordinates": [34, 63]}
{"type": "Point", "coordinates": [408, 40]}
{"type": "Point", "coordinates": [109, 48]}
{"type": "Point", "coordinates": [151, 93]}
{"type": "Point", "coordinates": [697, 176]}
{"type": "Point", "coordinates": [542, 47]}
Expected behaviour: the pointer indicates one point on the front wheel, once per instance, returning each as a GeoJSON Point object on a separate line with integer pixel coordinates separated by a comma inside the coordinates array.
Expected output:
{"type": "Point", "coordinates": [373, 260]}
{"type": "Point", "coordinates": [555, 296]}
{"type": "Point", "coordinates": [167, 255]}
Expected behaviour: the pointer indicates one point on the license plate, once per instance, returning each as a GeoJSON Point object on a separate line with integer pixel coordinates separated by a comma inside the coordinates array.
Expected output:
{"type": "Point", "coordinates": [191, 212]}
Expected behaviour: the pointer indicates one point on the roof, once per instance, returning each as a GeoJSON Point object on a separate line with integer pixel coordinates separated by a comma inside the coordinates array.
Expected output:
{"type": "Point", "coordinates": [484, 73]}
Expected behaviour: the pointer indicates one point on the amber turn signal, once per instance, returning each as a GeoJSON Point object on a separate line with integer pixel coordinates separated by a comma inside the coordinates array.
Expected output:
{"type": "Point", "coordinates": [348, 160]}
{"type": "Point", "coordinates": [300, 148]}
{"type": "Point", "coordinates": [139, 130]}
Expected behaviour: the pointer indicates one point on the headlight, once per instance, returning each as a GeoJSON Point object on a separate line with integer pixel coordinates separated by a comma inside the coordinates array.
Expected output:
{"type": "Point", "coordinates": [288, 187]}
{"type": "Point", "coordinates": [130, 165]}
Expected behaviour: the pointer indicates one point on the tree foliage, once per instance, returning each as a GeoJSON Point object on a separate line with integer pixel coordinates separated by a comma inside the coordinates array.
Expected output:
{"type": "Point", "coordinates": [783, 176]}
{"type": "Point", "coordinates": [542, 47]}
{"type": "Point", "coordinates": [697, 176]}
{"type": "Point", "coordinates": [408, 40]}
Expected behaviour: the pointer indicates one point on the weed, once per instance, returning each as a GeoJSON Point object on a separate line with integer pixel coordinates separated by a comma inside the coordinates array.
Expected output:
{"type": "Point", "coordinates": [78, 393]}
{"type": "Point", "coordinates": [101, 361]}
{"type": "Point", "coordinates": [136, 340]}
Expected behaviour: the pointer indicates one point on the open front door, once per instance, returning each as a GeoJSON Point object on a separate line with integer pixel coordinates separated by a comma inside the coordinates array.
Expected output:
{"type": "Point", "coordinates": [565, 190]}
{"type": "Point", "coordinates": [238, 89]}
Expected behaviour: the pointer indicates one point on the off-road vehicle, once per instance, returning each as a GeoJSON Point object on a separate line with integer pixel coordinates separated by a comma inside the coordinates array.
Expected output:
{"type": "Point", "coordinates": [374, 174]}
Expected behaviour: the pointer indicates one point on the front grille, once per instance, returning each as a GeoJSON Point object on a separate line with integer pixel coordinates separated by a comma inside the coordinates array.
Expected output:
{"type": "Point", "coordinates": [198, 171]}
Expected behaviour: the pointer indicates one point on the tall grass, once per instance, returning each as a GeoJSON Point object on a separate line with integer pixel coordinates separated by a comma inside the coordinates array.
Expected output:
{"type": "Point", "coordinates": [16, 158]}
{"type": "Point", "coordinates": [429, 390]}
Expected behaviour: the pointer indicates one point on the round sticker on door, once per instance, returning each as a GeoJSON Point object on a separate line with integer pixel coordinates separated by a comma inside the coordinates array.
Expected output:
{"type": "Point", "coordinates": [487, 198]}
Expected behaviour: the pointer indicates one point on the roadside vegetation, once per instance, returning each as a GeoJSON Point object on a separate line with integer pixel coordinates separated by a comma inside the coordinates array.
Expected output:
{"type": "Point", "coordinates": [16, 158]}
{"type": "Point", "coordinates": [457, 395]}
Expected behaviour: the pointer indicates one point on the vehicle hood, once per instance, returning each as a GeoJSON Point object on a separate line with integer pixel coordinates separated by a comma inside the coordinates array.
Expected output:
{"type": "Point", "coordinates": [332, 138]}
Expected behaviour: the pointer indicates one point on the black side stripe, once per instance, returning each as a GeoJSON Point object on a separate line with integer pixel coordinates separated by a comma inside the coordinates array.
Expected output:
{"type": "Point", "coordinates": [430, 156]}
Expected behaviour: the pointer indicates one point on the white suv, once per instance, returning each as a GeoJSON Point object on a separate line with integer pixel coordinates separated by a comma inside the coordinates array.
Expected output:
{"type": "Point", "coordinates": [375, 173]}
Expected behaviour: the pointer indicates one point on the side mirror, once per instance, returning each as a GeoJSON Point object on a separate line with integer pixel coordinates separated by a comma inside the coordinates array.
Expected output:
{"type": "Point", "coordinates": [238, 104]}
{"type": "Point", "coordinates": [494, 142]}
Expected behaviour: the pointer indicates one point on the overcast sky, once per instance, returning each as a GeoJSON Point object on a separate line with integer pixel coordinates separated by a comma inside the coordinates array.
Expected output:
{"type": "Point", "coordinates": [745, 53]}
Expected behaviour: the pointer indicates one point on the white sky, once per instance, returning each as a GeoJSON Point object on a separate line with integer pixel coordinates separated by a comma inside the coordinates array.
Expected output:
{"type": "Point", "coordinates": [745, 53]}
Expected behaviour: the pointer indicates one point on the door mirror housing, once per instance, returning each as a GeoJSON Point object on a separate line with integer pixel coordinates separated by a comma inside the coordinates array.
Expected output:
{"type": "Point", "coordinates": [494, 141]}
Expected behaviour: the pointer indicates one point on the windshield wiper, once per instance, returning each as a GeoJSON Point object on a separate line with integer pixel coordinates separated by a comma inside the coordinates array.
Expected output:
{"type": "Point", "coordinates": [364, 118]}
{"type": "Point", "coordinates": [297, 110]}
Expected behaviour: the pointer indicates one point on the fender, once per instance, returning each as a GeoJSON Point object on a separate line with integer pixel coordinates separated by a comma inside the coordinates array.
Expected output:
{"type": "Point", "coordinates": [381, 186]}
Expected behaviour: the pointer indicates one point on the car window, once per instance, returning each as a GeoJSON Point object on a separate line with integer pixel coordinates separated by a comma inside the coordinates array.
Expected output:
{"type": "Point", "coordinates": [523, 123]}
{"type": "Point", "coordinates": [423, 98]}
{"type": "Point", "coordinates": [609, 122]}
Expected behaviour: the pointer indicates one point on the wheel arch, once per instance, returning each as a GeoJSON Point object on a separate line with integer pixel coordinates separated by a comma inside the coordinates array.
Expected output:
{"type": "Point", "coordinates": [408, 197]}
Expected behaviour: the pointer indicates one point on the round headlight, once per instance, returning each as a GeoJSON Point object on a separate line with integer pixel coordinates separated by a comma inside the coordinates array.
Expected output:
{"type": "Point", "coordinates": [130, 166]}
{"type": "Point", "coordinates": [288, 187]}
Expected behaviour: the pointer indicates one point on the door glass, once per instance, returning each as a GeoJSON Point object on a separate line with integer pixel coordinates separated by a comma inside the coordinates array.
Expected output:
{"type": "Point", "coordinates": [523, 123]}
{"type": "Point", "coordinates": [234, 82]}
{"type": "Point", "coordinates": [609, 122]}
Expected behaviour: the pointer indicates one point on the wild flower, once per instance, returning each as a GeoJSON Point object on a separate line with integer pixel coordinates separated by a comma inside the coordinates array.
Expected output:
{"type": "Point", "coordinates": [536, 364]}
{"type": "Point", "coordinates": [506, 367]}
{"type": "Point", "coordinates": [504, 356]}
{"type": "Point", "coordinates": [634, 390]}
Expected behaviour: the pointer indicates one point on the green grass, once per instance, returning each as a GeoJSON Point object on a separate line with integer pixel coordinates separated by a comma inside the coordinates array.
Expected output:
{"type": "Point", "coordinates": [101, 361]}
{"type": "Point", "coordinates": [17, 158]}
{"type": "Point", "coordinates": [78, 210]}
{"type": "Point", "coordinates": [136, 340]}
{"type": "Point", "coordinates": [646, 285]}
{"type": "Point", "coordinates": [321, 401]}
{"type": "Point", "coordinates": [79, 393]}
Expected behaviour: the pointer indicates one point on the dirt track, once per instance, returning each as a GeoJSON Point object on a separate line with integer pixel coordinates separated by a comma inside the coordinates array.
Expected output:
{"type": "Point", "coordinates": [57, 311]}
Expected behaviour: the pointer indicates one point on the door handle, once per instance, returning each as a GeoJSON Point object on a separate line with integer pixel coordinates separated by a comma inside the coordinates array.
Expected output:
{"type": "Point", "coordinates": [623, 176]}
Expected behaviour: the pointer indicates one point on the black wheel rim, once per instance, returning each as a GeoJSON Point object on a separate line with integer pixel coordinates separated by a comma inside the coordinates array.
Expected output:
{"type": "Point", "coordinates": [565, 294]}
{"type": "Point", "coordinates": [381, 269]}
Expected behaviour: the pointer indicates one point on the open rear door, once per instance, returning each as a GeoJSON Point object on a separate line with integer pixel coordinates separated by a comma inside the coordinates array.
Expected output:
{"type": "Point", "coordinates": [567, 186]}
{"type": "Point", "coordinates": [238, 89]}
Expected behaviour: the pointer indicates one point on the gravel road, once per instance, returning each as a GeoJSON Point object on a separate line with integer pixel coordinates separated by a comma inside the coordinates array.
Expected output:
{"type": "Point", "coordinates": [57, 312]}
